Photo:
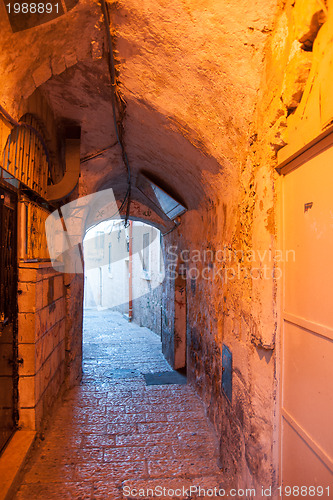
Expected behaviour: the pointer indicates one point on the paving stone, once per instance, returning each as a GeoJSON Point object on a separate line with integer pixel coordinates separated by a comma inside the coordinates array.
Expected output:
{"type": "Point", "coordinates": [103, 491]}
{"type": "Point", "coordinates": [55, 491]}
{"type": "Point", "coordinates": [115, 472]}
{"type": "Point", "coordinates": [167, 427]}
{"type": "Point", "coordinates": [123, 418]}
{"type": "Point", "coordinates": [125, 453]}
{"type": "Point", "coordinates": [119, 429]}
{"type": "Point", "coordinates": [98, 440]}
{"type": "Point", "coordinates": [172, 488]}
{"type": "Point", "coordinates": [143, 439]}
{"type": "Point", "coordinates": [95, 428]}
{"type": "Point", "coordinates": [184, 467]}
{"type": "Point", "coordinates": [114, 431]}
{"type": "Point", "coordinates": [45, 473]}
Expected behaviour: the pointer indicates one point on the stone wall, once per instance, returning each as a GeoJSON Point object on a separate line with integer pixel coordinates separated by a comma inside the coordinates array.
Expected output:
{"type": "Point", "coordinates": [74, 289]}
{"type": "Point", "coordinates": [225, 305]}
{"type": "Point", "coordinates": [49, 303]}
{"type": "Point", "coordinates": [41, 341]}
{"type": "Point", "coordinates": [147, 310]}
{"type": "Point", "coordinates": [147, 287]}
{"type": "Point", "coordinates": [238, 305]}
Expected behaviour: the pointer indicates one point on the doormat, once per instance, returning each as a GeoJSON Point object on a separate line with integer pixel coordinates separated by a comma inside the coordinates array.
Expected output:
{"type": "Point", "coordinates": [164, 378]}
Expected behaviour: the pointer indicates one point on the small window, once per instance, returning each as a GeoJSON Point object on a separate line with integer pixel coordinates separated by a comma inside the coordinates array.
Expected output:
{"type": "Point", "coordinates": [145, 259]}
{"type": "Point", "coordinates": [110, 259]}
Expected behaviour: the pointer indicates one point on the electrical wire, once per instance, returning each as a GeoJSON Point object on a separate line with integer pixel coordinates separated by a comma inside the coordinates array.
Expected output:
{"type": "Point", "coordinates": [98, 153]}
{"type": "Point", "coordinates": [177, 224]}
{"type": "Point", "coordinates": [114, 102]}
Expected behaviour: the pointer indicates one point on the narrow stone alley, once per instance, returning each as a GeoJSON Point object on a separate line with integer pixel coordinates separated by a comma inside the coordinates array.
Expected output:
{"type": "Point", "coordinates": [113, 436]}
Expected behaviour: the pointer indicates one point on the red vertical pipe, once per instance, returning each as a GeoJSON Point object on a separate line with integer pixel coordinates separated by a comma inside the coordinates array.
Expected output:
{"type": "Point", "coordinates": [130, 272]}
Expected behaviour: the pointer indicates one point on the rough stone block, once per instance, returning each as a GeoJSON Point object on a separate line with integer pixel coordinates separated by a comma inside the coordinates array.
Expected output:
{"type": "Point", "coordinates": [59, 310]}
{"type": "Point", "coordinates": [70, 59]}
{"type": "Point", "coordinates": [27, 392]}
{"type": "Point", "coordinates": [58, 287]}
{"type": "Point", "coordinates": [42, 74]}
{"type": "Point", "coordinates": [28, 353]}
{"type": "Point", "coordinates": [30, 298]}
{"type": "Point", "coordinates": [96, 50]}
{"type": "Point", "coordinates": [27, 274]}
{"type": "Point", "coordinates": [296, 75]}
{"type": "Point", "coordinates": [44, 348]}
{"type": "Point", "coordinates": [326, 94]}
{"type": "Point", "coordinates": [27, 418]}
{"type": "Point", "coordinates": [45, 292]}
{"type": "Point", "coordinates": [58, 65]}
{"type": "Point", "coordinates": [48, 369]}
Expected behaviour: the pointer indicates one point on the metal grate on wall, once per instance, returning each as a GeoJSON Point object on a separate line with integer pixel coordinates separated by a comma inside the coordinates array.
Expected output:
{"type": "Point", "coordinates": [24, 157]}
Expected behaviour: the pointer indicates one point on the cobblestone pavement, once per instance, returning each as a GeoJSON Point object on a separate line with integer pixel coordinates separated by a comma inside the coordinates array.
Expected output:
{"type": "Point", "coordinates": [113, 437]}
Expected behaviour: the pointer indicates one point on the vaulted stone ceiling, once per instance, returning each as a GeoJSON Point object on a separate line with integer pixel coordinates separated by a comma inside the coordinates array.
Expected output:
{"type": "Point", "coordinates": [188, 71]}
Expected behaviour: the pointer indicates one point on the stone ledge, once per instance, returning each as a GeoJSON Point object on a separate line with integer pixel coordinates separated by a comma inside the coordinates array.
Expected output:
{"type": "Point", "coordinates": [12, 461]}
{"type": "Point", "coordinates": [34, 264]}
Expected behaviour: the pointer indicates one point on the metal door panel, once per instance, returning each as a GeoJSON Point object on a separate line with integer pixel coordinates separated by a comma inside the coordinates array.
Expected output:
{"type": "Point", "coordinates": [302, 467]}
{"type": "Point", "coordinates": [307, 391]}
{"type": "Point", "coordinates": [307, 333]}
{"type": "Point", "coordinates": [8, 315]}
{"type": "Point", "coordinates": [309, 231]}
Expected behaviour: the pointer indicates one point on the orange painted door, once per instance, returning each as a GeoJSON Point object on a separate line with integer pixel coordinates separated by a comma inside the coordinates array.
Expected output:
{"type": "Point", "coordinates": [307, 334]}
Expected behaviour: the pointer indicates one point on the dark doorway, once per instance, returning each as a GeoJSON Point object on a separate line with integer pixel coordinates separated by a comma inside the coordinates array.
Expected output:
{"type": "Point", "coordinates": [8, 315]}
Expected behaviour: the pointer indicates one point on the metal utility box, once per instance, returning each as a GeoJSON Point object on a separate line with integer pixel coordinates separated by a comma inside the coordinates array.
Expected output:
{"type": "Point", "coordinates": [227, 372]}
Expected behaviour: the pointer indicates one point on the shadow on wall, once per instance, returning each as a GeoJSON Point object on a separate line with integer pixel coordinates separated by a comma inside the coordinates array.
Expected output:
{"type": "Point", "coordinates": [173, 156]}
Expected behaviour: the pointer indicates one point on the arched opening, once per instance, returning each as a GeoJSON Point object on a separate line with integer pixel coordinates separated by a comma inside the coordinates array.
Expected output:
{"type": "Point", "coordinates": [124, 271]}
